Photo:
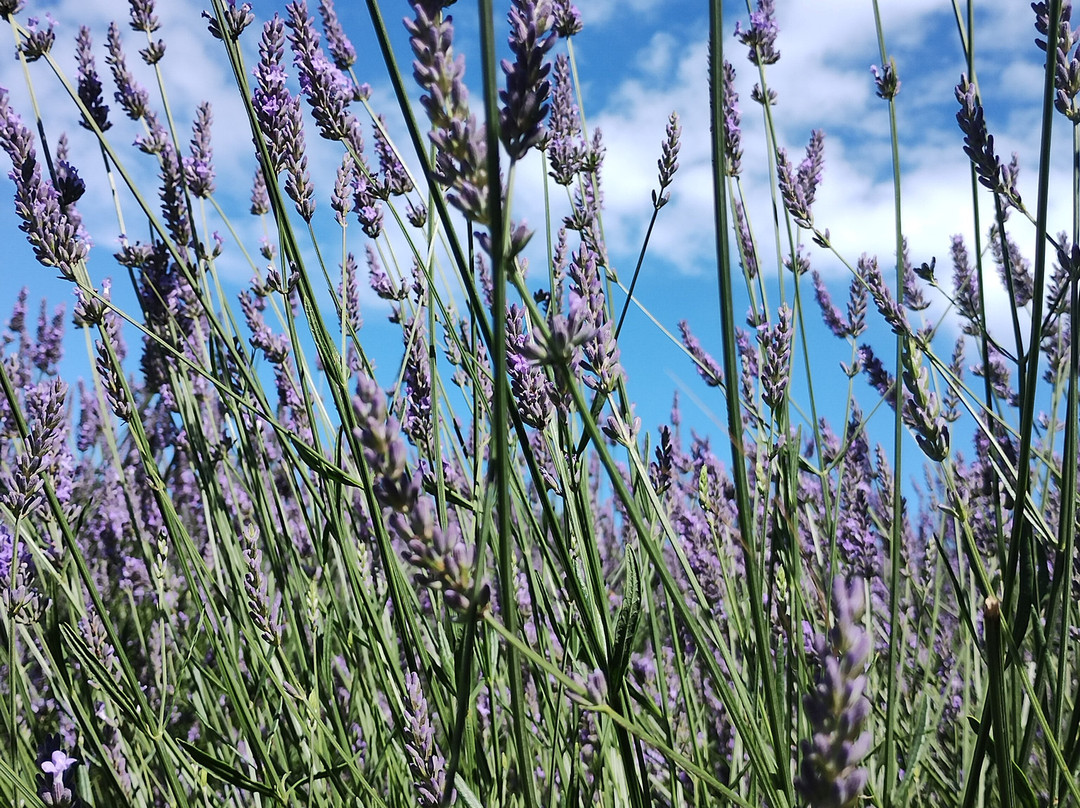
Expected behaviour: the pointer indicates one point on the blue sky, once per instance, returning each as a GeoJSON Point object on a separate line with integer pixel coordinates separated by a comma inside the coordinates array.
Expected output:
{"type": "Point", "coordinates": [639, 60]}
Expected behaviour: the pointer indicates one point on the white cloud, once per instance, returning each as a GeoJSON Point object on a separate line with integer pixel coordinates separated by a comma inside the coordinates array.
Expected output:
{"type": "Point", "coordinates": [823, 81]}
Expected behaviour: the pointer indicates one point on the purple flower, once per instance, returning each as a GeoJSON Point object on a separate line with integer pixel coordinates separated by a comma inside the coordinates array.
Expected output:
{"type": "Point", "coordinates": [460, 142]}
{"type": "Point", "coordinates": [367, 196]}
{"type": "Point", "coordinates": [379, 281]}
{"type": "Point", "coordinates": [277, 111]}
{"type": "Point", "coordinates": [142, 16]}
{"type": "Point", "coordinates": [775, 358]}
{"type": "Point", "coordinates": [112, 382]}
{"type": "Point", "coordinates": [416, 214]}
{"type": "Point", "coordinates": [50, 346]}
{"type": "Point", "coordinates": [876, 374]}
{"type": "Point", "coordinates": [1067, 69]}
{"type": "Point", "coordinates": [856, 307]}
{"type": "Point", "coordinates": [566, 334]}
{"type": "Point", "coordinates": [349, 292]}
{"type": "Point", "coordinates": [749, 370]}
{"type": "Point", "coordinates": [69, 184]}
{"type": "Point", "coordinates": [58, 763]}
{"type": "Point", "coordinates": [327, 90]}
{"type": "Point", "coordinates": [55, 793]}
{"type": "Point", "coordinates": [662, 470]}
{"type": "Point", "coordinates": [669, 160]}
{"type": "Point", "coordinates": [834, 319]}
{"type": "Point", "coordinates": [527, 88]}
{"type": "Point", "coordinates": [427, 767]}
{"type": "Point", "coordinates": [89, 83]}
{"type": "Point", "coordinates": [439, 553]}
{"type": "Point", "coordinates": [732, 122]}
{"type": "Point", "coordinates": [1013, 267]}
{"type": "Point", "coordinates": [913, 296]}
{"type": "Point", "coordinates": [965, 287]}
{"type": "Point", "coordinates": [9, 7]}
{"type": "Point", "coordinates": [855, 539]}
{"type": "Point", "coordinates": [280, 119]}
{"type": "Point", "coordinates": [533, 392]}
{"type": "Point", "coordinates": [236, 20]}
{"type": "Point", "coordinates": [19, 596]}
{"type": "Point", "coordinates": [760, 37]}
{"type": "Point", "coordinates": [922, 409]}
{"type": "Point", "coordinates": [344, 186]}
{"type": "Point", "coordinates": [875, 283]}
{"type": "Point", "coordinates": [707, 367]}
{"type": "Point", "coordinates": [830, 773]}
{"type": "Point", "coordinates": [54, 236]}
{"type": "Point", "coordinates": [747, 248]}
{"type": "Point", "coordinates": [565, 150]}
{"type": "Point", "coordinates": [799, 264]}
{"type": "Point", "coordinates": [260, 197]}
{"type": "Point", "coordinates": [130, 95]}
{"type": "Point", "coordinates": [567, 18]}
{"type": "Point", "coordinates": [262, 615]}
{"type": "Point", "coordinates": [395, 179]}
{"type": "Point", "coordinates": [174, 205]}
{"type": "Point", "coordinates": [39, 41]}
{"type": "Point", "coordinates": [979, 146]}
{"type": "Point", "coordinates": [951, 401]}
{"type": "Point", "coordinates": [198, 169]}
{"type": "Point", "coordinates": [888, 83]}
{"type": "Point", "coordinates": [798, 186]}
{"type": "Point", "coordinates": [340, 47]}
{"type": "Point", "coordinates": [600, 350]}
{"type": "Point", "coordinates": [417, 423]}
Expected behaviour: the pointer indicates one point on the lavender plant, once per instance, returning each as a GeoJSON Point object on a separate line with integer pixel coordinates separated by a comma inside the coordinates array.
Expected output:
{"type": "Point", "coordinates": [261, 558]}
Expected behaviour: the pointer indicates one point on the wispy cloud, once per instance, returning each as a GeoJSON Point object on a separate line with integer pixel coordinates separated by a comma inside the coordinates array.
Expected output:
{"type": "Point", "coordinates": [823, 81]}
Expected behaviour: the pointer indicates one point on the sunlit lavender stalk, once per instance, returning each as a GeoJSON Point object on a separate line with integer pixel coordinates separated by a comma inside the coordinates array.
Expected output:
{"type": "Point", "coordinates": [830, 774]}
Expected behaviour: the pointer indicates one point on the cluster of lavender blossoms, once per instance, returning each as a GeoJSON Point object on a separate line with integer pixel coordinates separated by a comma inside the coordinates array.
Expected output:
{"type": "Point", "coordinates": [459, 139]}
{"type": "Point", "coordinates": [270, 554]}
{"type": "Point", "coordinates": [831, 774]}
{"type": "Point", "coordinates": [54, 233]}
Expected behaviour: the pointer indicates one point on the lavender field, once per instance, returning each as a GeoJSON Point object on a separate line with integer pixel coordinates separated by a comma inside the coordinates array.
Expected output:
{"type": "Point", "coordinates": [381, 524]}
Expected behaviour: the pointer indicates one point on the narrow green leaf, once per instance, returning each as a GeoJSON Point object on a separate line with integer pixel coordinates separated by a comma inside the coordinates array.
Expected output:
{"type": "Point", "coordinates": [101, 675]}
{"type": "Point", "coordinates": [223, 771]}
{"type": "Point", "coordinates": [319, 464]}
{"type": "Point", "coordinates": [627, 622]}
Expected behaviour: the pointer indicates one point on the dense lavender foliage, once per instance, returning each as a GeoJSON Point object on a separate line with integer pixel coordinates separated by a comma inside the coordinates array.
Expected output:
{"type": "Point", "coordinates": [240, 564]}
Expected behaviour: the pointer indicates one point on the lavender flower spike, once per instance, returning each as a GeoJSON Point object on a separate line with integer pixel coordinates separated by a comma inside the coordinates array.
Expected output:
{"type": "Point", "coordinates": [798, 186]}
{"type": "Point", "coordinates": [830, 774]}
{"type": "Point", "coordinates": [776, 358]}
{"type": "Point", "coordinates": [198, 169]}
{"type": "Point", "coordinates": [9, 7]}
{"type": "Point", "coordinates": [427, 767]}
{"type": "Point", "coordinates": [979, 146]}
{"type": "Point", "coordinates": [58, 795]}
{"type": "Point", "coordinates": [760, 37]}
{"type": "Point", "coordinates": [732, 122]}
{"type": "Point", "coordinates": [55, 238]}
{"type": "Point", "coordinates": [566, 149]}
{"type": "Point", "coordinates": [130, 95]}
{"type": "Point", "coordinates": [888, 83]}
{"type": "Point", "coordinates": [39, 40]}
{"type": "Point", "coordinates": [461, 147]}
{"type": "Point", "coordinates": [90, 83]}
{"type": "Point", "coordinates": [567, 18]}
{"type": "Point", "coordinates": [236, 20]}
{"type": "Point", "coordinates": [327, 89]}
{"type": "Point", "coordinates": [707, 367]}
{"type": "Point", "coordinates": [527, 87]}
{"type": "Point", "coordinates": [340, 47]}
{"type": "Point", "coordinates": [668, 163]}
